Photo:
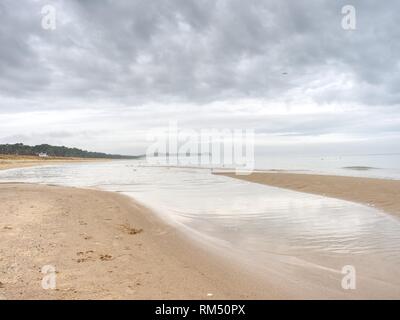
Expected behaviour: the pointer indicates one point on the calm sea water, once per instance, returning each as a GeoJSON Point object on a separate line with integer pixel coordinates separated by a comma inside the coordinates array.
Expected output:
{"type": "Point", "coordinates": [385, 166]}
{"type": "Point", "coordinates": [297, 237]}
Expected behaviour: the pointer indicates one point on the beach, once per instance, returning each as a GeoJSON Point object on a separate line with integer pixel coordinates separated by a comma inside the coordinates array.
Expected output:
{"type": "Point", "coordinates": [382, 194]}
{"type": "Point", "coordinates": [105, 246]}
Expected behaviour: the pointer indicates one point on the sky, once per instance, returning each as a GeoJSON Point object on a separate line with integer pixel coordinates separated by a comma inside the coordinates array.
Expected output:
{"type": "Point", "coordinates": [110, 72]}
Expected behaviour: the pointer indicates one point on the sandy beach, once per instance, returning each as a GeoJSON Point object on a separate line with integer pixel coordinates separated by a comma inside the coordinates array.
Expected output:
{"type": "Point", "coordinates": [105, 246]}
{"type": "Point", "coordinates": [380, 193]}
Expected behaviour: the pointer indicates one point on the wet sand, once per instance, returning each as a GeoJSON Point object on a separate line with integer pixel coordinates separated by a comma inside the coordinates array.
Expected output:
{"type": "Point", "coordinates": [106, 246]}
{"type": "Point", "coordinates": [380, 193]}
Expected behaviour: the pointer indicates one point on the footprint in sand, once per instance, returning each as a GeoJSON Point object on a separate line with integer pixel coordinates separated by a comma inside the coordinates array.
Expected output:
{"type": "Point", "coordinates": [85, 256]}
{"type": "Point", "coordinates": [85, 236]}
{"type": "Point", "coordinates": [106, 257]}
{"type": "Point", "coordinates": [129, 230]}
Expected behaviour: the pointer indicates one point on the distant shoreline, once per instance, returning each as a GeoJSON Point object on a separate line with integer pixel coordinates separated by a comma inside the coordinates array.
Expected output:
{"type": "Point", "coordinates": [46, 150]}
{"type": "Point", "coordinates": [14, 161]}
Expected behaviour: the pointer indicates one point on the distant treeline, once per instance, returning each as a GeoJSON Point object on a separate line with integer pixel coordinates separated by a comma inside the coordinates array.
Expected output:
{"type": "Point", "coordinates": [56, 151]}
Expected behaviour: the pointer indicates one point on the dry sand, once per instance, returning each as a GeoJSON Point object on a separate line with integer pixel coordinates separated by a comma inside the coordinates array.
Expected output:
{"type": "Point", "coordinates": [380, 193]}
{"type": "Point", "coordinates": [105, 246]}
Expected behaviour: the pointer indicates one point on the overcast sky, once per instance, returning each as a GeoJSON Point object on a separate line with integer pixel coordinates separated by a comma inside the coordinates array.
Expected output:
{"type": "Point", "coordinates": [112, 70]}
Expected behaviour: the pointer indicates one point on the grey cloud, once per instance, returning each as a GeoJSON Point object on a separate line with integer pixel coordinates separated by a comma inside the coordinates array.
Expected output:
{"type": "Point", "coordinates": [198, 51]}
